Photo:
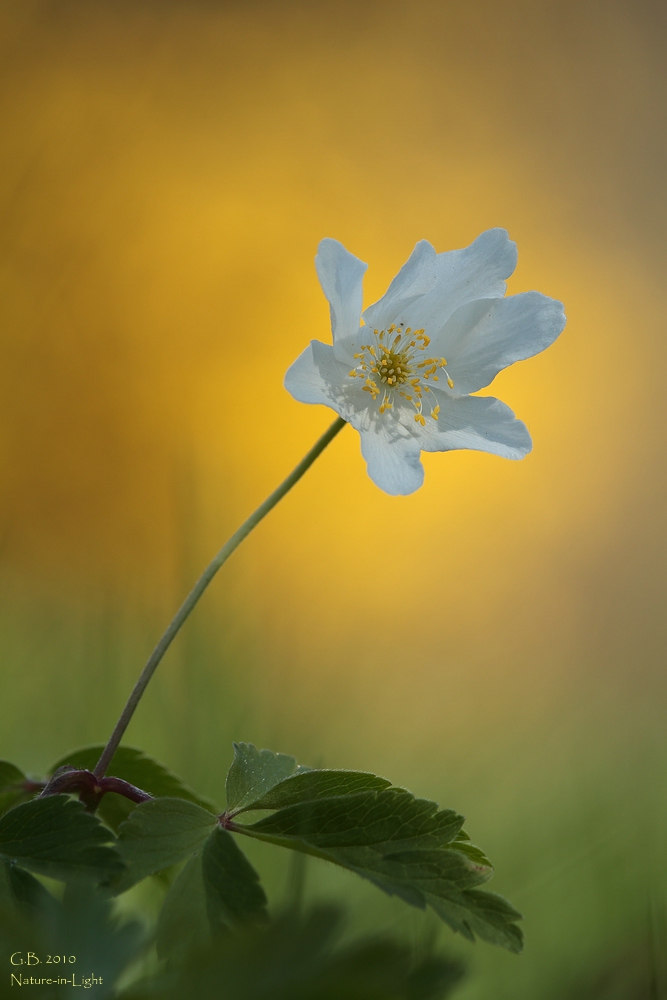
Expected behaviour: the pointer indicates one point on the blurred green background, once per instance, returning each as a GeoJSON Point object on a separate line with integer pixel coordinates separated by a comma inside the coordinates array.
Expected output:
{"type": "Point", "coordinates": [166, 172]}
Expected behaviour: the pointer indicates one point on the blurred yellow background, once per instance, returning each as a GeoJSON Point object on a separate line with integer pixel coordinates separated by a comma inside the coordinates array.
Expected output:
{"type": "Point", "coordinates": [166, 172]}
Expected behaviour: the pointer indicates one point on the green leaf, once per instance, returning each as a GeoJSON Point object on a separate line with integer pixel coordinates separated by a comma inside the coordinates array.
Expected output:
{"type": "Point", "coordinates": [384, 821]}
{"type": "Point", "coordinates": [233, 892]}
{"type": "Point", "coordinates": [21, 891]}
{"type": "Point", "coordinates": [262, 779]}
{"type": "Point", "coordinates": [183, 923]}
{"type": "Point", "coordinates": [12, 789]}
{"type": "Point", "coordinates": [135, 766]}
{"type": "Point", "coordinates": [158, 834]}
{"type": "Point", "coordinates": [253, 774]}
{"type": "Point", "coordinates": [475, 854]}
{"type": "Point", "coordinates": [306, 786]}
{"type": "Point", "coordinates": [55, 836]}
{"type": "Point", "coordinates": [295, 958]}
{"type": "Point", "coordinates": [82, 924]}
{"type": "Point", "coordinates": [90, 929]}
{"type": "Point", "coordinates": [483, 913]}
{"type": "Point", "coordinates": [217, 889]}
{"type": "Point", "coordinates": [406, 846]}
{"type": "Point", "coordinates": [10, 775]}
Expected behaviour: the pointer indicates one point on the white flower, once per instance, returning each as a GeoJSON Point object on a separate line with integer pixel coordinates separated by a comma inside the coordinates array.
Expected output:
{"type": "Point", "coordinates": [443, 330]}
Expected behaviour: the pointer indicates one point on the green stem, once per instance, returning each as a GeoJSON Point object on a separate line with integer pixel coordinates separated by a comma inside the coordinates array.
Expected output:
{"type": "Point", "coordinates": [199, 588]}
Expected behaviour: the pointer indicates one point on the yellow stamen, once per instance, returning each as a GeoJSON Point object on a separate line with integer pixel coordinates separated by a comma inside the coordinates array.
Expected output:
{"type": "Point", "coordinates": [392, 359]}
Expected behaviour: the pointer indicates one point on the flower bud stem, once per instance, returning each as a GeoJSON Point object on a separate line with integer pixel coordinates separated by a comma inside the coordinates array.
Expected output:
{"type": "Point", "coordinates": [199, 588]}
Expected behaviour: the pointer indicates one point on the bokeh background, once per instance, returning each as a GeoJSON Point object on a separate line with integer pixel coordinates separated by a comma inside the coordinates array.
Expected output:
{"type": "Point", "coordinates": [166, 172]}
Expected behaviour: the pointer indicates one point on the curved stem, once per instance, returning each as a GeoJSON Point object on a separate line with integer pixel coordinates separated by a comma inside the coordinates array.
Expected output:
{"type": "Point", "coordinates": [201, 585]}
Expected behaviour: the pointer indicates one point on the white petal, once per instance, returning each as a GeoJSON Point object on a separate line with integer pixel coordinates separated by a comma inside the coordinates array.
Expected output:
{"type": "Point", "coordinates": [341, 275]}
{"type": "Point", "coordinates": [476, 272]}
{"type": "Point", "coordinates": [392, 455]}
{"type": "Point", "coordinates": [480, 423]}
{"type": "Point", "coordinates": [318, 377]}
{"type": "Point", "coordinates": [417, 277]}
{"type": "Point", "coordinates": [483, 337]}
{"type": "Point", "coordinates": [390, 449]}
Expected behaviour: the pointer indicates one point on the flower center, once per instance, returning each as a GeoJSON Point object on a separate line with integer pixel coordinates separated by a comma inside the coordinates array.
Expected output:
{"type": "Point", "coordinates": [393, 364]}
{"type": "Point", "coordinates": [394, 368]}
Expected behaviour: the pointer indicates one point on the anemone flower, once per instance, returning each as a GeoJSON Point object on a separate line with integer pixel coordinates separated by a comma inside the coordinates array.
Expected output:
{"type": "Point", "coordinates": [403, 372]}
